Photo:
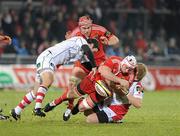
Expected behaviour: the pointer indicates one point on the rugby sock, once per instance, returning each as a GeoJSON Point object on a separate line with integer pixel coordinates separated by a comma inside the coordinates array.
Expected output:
{"type": "Point", "coordinates": [40, 96]}
{"type": "Point", "coordinates": [59, 100]}
{"type": "Point", "coordinates": [27, 99]}
{"type": "Point", "coordinates": [70, 104]}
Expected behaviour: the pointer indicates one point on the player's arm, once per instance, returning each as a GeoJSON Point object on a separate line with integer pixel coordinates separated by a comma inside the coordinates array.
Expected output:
{"type": "Point", "coordinates": [136, 102]}
{"type": "Point", "coordinates": [106, 72]}
{"type": "Point", "coordinates": [89, 55]}
{"type": "Point", "coordinates": [113, 40]}
{"type": "Point", "coordinates": [135, 96]}
{"type": "Point", "coordinates": [108, 38]}
{"type": "Point", "coordinates": [118, 89]}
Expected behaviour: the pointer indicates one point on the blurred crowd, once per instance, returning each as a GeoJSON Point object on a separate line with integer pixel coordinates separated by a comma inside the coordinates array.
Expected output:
{"type": "Point", "coordinates": [146, 28]}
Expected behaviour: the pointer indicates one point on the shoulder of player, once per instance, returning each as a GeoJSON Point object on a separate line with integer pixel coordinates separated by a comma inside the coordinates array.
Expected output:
{"type": "Point", "coordinates": [117, 58]}
{"type": "Point", "coordinates": [96, 27]}
{"type": "Point", "coordinates": [76, 31]}
{"type": "Point", "coordinates": [79, 40]}
{"type": "Point", "coordinates": [113, 60]}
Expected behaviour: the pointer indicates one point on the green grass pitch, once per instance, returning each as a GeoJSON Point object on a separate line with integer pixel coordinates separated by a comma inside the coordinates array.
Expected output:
{"type": "Point", "coordinates": [159, 116]}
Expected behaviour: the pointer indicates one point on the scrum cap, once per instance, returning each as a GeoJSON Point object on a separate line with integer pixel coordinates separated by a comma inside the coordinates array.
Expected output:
{"type": "Point", "coordinates": [85, 20]}
{"type": "Point", "coordinates": [130, 61]}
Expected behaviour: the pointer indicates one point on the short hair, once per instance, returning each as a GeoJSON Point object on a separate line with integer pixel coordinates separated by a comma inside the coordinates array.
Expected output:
{"type": "Point", "coordinates": [83, 20]}
{"type": "Point", "coordinates": [141, 71]}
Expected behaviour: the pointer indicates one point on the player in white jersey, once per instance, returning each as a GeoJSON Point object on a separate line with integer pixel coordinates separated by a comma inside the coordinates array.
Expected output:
{"type": "Point", "coordinates": [48, 61]}
{"type": "Point", "coordinates": [116, 107]}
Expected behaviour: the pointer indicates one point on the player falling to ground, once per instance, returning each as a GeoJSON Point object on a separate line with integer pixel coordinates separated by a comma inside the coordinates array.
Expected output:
{"type": "Point", "coordinates": [97, 35]}
{"type": "Point", "coordinates": [116, 107]}
{"type": "Point", "coordinates": [114, 69]}
{"type": "Point", "coordinates": [65, 52]}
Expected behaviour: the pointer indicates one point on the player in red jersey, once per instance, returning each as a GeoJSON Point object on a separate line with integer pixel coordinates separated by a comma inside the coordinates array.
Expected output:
{"type": "Point", "coordinates": [116, 107]}
{"type": "Point", "coordinates": [113, 68]}
{"type": "Point", "coordinates": [97, 35]}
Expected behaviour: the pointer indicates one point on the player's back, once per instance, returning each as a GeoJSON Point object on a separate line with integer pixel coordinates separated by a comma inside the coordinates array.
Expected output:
{"type": "Point", "coordinates": [73, 43]}
{"type": "Point", "coordinates": [66, 50]}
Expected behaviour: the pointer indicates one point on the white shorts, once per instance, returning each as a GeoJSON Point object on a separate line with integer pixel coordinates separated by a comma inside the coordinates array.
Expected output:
{"type": "Point", "coordinates": [45, 62]}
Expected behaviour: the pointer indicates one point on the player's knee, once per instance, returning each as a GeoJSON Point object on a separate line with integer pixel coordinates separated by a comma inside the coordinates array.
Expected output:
{"type": "Point", "coordinates": [47, 79]}
{"type": "Point", "coordinates": [71, 94]}
{"type": "Point", "coordinates": [86, 104]}
{"type": "Point", "coordinates": [78, 72]}
{"type": "Point", "coordinates": [74, 81]}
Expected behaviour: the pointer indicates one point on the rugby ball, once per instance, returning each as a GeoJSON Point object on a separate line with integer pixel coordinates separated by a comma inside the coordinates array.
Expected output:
{"type": "Point", "coordinates": [102, 89]}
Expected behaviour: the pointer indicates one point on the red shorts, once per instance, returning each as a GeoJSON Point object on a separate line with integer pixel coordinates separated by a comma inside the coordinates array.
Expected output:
{"type": "Point", "coordinates": [78, 64]}
{"type": "Point", "coordinates": [87, 86]}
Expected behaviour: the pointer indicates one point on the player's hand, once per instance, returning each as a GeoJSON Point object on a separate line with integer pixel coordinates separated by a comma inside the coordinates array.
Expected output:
{"type": "Point", "coordinates": [5, 40]}
{"type": "Point", "coordinates": [68, 35]}
{"type": "Point", "coordinates": [118, 89]}
{"type": "Point", "coordinates": [104, 40]}
{"type": "Point", "coordinates": [123, 83]}
{"type": "Point", "coordinates": [93, 72]}
{"type": "Point", "coordinates": [91, 46]}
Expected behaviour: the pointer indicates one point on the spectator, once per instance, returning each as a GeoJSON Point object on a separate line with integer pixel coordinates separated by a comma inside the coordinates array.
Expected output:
{"type": "Point", "coordinates": [141, 45]}
{"type": "Point", "coordinates": [22, 51]}
{"type": "Point", "coordinates": [172, 48]}
{"type": "Point", "coordinates": [154, 50]}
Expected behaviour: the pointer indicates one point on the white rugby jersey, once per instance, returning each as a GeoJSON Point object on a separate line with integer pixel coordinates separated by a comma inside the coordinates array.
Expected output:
{"type": "Point", "coordinates": [66, 51]}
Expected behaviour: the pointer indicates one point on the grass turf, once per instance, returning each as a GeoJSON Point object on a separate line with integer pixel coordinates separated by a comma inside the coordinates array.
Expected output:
{"type": "Point", "coordinates": [159, 116]}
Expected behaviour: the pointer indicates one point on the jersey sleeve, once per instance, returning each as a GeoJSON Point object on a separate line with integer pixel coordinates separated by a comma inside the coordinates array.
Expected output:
{"type": "Point", "coordinates": [136, 90]}
{"type": "Point", "coordinates": [105, 32]}
{"type": "Point", "coordinates": [109, 63]}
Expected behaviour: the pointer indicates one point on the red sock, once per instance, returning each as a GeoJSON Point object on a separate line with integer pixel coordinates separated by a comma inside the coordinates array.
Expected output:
{"type": "Point", "coordinates": [70, 104]}
{"type": "Point", "coordinates": [62, 98]}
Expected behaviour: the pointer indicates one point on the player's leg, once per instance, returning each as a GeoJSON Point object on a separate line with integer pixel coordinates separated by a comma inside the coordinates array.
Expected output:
{"type": "Point", "coordinates": [98, 117]}
{"type": "Point", "coordinates": [108, 114]}
{"type": "Point", "coordinates": [79, 71]}
{"type": "Point", "coordinates": [50, 106]}
{"type": "Point", "coordinates": [87, 103]}
{"type": "Point", "coordinates": [45, 70]}
{"type": "Point", "coordinates": [27, 99]}
{"type": "Point", "coordinates": [46, 79]}
{"type": "Point", "coordinates": [86, 86]}
{"type": "Point", "coordinates": [67, 95]}
{"type": "Point", "coordinates": [73, 81]}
